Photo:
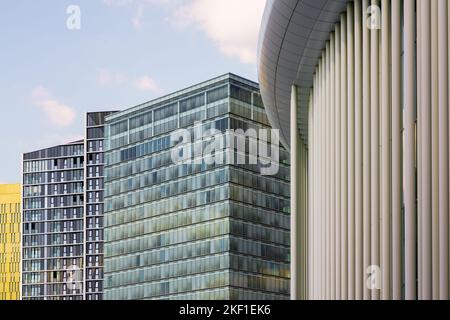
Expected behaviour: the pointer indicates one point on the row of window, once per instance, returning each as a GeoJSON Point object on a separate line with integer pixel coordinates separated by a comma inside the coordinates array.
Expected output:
{"type": "Point", "coordinates": [56, 152]}
{"type": "Point", "coordinates": [227, 293]}
{"type": "Point", "coordinates": [9, 228]}
{"type": "Point", "coordinates": [61, 263]}
{"type": "Point", "coordinates": [257, 198]}
{"type": "Point", "coordinates": [53, 239]}
{"type": "Point", "coordinates": [147, 242]}
{"type": "Point", "coordinates": [198, 177]}
{"type": "Point", "coordinates": [164, 255]}
{"type": "Point", "coordinates": [198, 265]}
{"type": "Point", "coordinates": [53, 177]}
{"type": "Point", "coordinates": [42, 291]}
{"type": "Point", "coordinates": [53, 202]}
{"type": "Point", "coordinates": [197, 249]}
{"type": "Point", "coordinates": [169, 270]}
{"type": "Point", "coordinates": [53, 164]}
{"type": "Point", "coordinates": [139, 227]}
{"type": "Point", "coordinates": [10, 258]}
{"type": "Point", "coordinates": [9, 210]}
{"type": "Point", "coordinates": [54, 189]}
{"type": "Point", "coordinates": [184, 219]}
{"type": "Point", "coordinates": [189, 200]}
{"type": "Point", "coordinates": [198, 282]}
{"type": "Point", "coordinates": [170, 123]}
{"type": "Point", "coordinates": [53, 214]}
{"type": "Point", "coordinates": [259, 182]}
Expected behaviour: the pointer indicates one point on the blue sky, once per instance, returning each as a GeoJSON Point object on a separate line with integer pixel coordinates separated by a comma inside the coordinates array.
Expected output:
{"type": "Point", "coordinates": [125, 53]}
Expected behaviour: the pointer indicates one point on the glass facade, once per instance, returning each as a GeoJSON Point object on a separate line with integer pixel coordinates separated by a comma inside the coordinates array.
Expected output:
{"type": "Point", "coordinates": [193, 230]}
{"type": "Point", "coordinates": [53, 220]}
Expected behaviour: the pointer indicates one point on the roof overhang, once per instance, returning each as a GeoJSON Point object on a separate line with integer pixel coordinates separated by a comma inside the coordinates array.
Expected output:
{"type": "Point", "coordinates": [293, 35]}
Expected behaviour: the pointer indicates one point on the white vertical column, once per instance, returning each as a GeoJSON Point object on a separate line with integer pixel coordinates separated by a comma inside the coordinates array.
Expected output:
{"type": "Point", "coordinates": [385, 151]}
{"type": "Point", "coordinates": [448, 80]}
{"type": "Point", "coordinates": [304, 257]}
{"type": "Point", "coordinates": [425, 171]}
{"type": "Point", "coordinates": [418, 150]}
{"type": "Point", "coordinates": [397, 127]}
{"type": "Point", "coordinates": [295, 212]}
{"type": "Point", "coordinates": [410, 152]}
{"type": "Point", "coordinates": [327, 174]}
{"type": "Point", "coordinates": [321, 223]}
{"type": "Point", "coordinates": [333, 169]}
{"type": "Point", "coordinates": [375, 154]}
{"type": "Point", "coordinates": [443, 149]}
{"type": "Point", "coordinates": [322, 179]}
{"type": "Point", "coordinates": [310, 194]}
{"type": "Point", "coordinates": [313, 192]}
{"type": "Point", "coordinates": [338, 161]}
{"type": "Point", "coordinates": [434, 150]}
{"type": "Point", "coordinates": [318, 186]}
{"type": "Point", "coordinates": [359, 279]}
{"type": "Point", "coordinates": [351, 150]}
{"type": "Point", "coordinates": [344, 161]}
{"type": "Point", "coordinates": [366, 148]}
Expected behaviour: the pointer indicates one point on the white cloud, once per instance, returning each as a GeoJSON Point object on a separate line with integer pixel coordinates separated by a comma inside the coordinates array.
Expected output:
{"type": "Point", "coordinates": [146, 83]}
{"type": "Point", "coordinates": [233, 25]}
{"type": "Point", "coordinates": [55, 111]}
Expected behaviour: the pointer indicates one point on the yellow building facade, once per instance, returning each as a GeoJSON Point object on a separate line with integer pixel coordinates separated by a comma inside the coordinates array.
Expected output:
{"type": "Point", "coordinates": [10, 241]}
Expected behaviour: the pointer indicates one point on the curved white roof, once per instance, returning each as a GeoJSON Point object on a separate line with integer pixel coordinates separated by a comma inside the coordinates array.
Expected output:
{"type": "Point", "coordinates": [293, 35]}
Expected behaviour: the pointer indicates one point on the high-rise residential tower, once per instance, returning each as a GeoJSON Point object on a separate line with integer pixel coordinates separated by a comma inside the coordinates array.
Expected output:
{"type": "Point", "coordinates": [195, 229]}
{"type": "Point", "coordinates": [53, 223]}
{"type": "Point", "coordinates": [10, 241]}
{"type": "Point", "coordinates": [360, 92]}
{"type": "Point", "coordinates": [63, 218]}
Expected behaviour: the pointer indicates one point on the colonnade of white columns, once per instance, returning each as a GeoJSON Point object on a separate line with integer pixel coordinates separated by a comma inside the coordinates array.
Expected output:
{"type": "Point", "coordinates": [370, 192]}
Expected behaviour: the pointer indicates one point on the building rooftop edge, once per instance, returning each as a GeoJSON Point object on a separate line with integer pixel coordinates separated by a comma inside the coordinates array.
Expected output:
{"type": "Point", "coordinates": [198, 86]}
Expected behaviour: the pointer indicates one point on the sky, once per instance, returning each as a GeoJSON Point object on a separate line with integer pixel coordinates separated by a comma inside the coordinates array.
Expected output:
{"type": "Point", "coordinates": [60, 59]}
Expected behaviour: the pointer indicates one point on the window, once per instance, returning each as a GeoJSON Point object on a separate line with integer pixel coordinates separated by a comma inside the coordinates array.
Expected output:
{"type": "Point", "coordinates": [192, 103]}
{"type": "Point", "coordinates": [241, 94]}
{"type": "Point", "coordinates": [217, 94]}
{"type": "Point", "coordinates": [166, 112]}
{"type": "Point", "coordinates": [119, 127]}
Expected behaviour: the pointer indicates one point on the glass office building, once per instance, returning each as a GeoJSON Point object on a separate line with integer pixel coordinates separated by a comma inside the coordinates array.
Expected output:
{"type": "Point", "coordinates": [53, 233]}
{"type": "Point", "coordinates": [178, 230]}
